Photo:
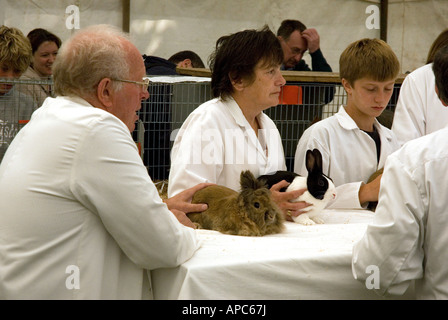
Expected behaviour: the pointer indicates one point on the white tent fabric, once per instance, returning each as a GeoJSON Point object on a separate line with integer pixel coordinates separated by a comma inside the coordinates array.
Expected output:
{"type": "Point", "coordinates": [164, 27]}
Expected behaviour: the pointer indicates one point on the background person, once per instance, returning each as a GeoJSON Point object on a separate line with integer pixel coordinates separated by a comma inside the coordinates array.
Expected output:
{"type": "Point", "coordinates": [45, 46]}
{"type": "Point", "coordinates": [15, 107]}
{"type": "Point", "coordinates": [157, 112]}
{"type": "Point", "coordinates": [160, 66]}
{"type": "Point", "coordinates": [295, 40]}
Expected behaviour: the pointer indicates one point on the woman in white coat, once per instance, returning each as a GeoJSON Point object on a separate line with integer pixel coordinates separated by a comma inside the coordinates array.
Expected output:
{"type": "Point", "coordinates": [230, 133]}
{"type": "Point", "coordinates": [353, 144]}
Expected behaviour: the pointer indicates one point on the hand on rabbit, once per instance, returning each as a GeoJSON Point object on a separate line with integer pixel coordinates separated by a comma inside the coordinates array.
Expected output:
{"type": "Point", "coordinates": [311, 193]}
{"type": "Point", "coordinates": [181, 204]}
{"type": "Point", "coordinates": [369, 192]}
{"type": "Point", "coordinates": [283, 200]}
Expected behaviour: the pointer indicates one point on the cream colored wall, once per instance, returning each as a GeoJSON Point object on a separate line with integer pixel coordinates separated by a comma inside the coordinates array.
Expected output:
{"type": "Point", "coordinates": [163, 27]}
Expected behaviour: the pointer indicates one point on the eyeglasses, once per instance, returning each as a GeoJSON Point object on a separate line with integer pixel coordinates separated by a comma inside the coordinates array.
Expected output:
{"type": "Point", "coordinates": [144, 83]}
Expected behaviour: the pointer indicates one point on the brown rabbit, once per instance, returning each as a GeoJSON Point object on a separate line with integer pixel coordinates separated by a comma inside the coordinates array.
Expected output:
{"type": "Point", "coordinates": [248, 213]}
{"type": "Point", "coordinates": [372, 205]}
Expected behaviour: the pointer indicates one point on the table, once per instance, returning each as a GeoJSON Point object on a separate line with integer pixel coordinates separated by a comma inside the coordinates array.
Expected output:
{"type": "Point", "coordinates": [303, 262]}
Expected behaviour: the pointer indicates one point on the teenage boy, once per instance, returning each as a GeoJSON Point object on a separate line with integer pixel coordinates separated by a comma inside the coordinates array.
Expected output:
{"type": "Point", "coordinates": [353, 144]}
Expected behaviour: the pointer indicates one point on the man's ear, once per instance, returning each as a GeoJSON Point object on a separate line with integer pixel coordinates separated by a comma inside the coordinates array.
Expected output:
{"type": "Point", "coordinates": [185, 64]}
{"type": "Point", "coordinates": [104, 92]}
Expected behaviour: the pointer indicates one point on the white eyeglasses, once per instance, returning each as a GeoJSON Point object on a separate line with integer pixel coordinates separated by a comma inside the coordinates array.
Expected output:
{"type": "Point", "coordinates": [144, 83]}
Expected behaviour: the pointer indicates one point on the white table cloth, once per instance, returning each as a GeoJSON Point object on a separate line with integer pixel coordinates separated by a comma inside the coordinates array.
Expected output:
{"type": "Point", "coordinates": [303, 262]}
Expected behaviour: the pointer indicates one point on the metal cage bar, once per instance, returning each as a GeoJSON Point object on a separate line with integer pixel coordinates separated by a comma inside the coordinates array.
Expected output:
{"type": "Point", "coordinates": [173, 99]}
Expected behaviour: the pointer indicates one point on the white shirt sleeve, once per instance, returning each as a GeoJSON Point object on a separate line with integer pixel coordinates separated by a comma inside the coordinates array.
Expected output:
{"type": "Point", "coordinates": [393, 242]}
{"type": "Point", "coordinates": [197, 155]}
{"type": "Point", "coordinates": [409, 116]}
{"type": "Point", "coordinates": [112, 182]}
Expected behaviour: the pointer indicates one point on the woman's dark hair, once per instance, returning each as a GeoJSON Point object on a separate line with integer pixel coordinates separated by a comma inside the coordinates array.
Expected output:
{"type": "Point", "coordinates": [441, 41]}
{"type": "Point", "coordinates": [440, 68]}
{"type": "Point", "coordinates": [38, 36]}
{"type": "Point", "coordinates": [236, 56]}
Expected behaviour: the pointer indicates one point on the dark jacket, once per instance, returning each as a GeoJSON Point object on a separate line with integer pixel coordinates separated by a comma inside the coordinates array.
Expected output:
{"type": "Point", "coordinates": [159, 66]}
{"type": "Point", "coordinates": [318, 63]}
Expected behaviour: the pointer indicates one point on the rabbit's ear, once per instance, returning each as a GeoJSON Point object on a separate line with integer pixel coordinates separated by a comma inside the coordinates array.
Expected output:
{"type": "Point", "coordinates": [313, 161]}
{"type": "Point", "coordinates": [248, 181]}
{"type": "Point", "coordinates": [318, 160]}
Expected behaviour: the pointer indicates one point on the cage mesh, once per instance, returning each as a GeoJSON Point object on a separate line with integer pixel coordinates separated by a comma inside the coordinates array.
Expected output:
{"type": "Point", "coordinates": [18, 100]}
{"type": "Point", "coordinates": [169, 105]}
{"type": "Point", "coordinates": [171, 102]}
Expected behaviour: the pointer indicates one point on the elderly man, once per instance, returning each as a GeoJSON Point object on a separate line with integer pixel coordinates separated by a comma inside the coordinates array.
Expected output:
{"type": "Point", "coordinates": [79, 216]}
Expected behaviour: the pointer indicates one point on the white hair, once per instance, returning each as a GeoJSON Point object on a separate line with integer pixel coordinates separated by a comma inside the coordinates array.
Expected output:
{"type": "Point", "coordinates": [90, 55]}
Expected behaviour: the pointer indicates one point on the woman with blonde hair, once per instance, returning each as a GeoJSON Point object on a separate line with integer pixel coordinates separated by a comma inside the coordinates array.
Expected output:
{"type": "Point", "coordinates": [15, 107]}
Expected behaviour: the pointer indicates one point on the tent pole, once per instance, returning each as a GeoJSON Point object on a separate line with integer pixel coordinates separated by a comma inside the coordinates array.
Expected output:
{"type": "Point", "coordinates": [383, 19]}
{"type": "Point", "coordinates": [126, 15]}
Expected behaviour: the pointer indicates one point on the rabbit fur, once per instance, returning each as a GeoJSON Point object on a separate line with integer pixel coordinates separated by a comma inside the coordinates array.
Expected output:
{"type": "Point", "coordinates": [320, 188]}
{"type": "Point", "coordinates": [372, 205]}
{"type": "Point", "coordinates": [251, 212]}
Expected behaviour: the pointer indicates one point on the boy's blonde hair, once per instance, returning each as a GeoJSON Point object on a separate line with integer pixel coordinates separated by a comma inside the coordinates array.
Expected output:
{"type": "Point", "coordinates": [368, 58]}
{"type": "Point", "coordinates": [15, 49]}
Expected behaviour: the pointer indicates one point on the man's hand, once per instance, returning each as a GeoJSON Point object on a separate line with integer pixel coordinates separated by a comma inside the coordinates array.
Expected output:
{"type": "Point", "coordinates": [313, 39]}
{"type": "Point", "coordinates": [181, 204]}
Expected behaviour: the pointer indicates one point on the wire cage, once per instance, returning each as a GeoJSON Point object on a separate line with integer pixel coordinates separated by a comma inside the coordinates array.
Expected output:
{"type": "Point", "coordinates": [317, 101]}
{"type": "Point", "coordinates": [172, 99]}
{"type": "Point", "coordinates": [18, 100]}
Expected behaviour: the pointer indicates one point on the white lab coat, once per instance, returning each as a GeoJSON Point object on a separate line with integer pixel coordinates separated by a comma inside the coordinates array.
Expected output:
{"type": "Point", "coordinates": [79, 216]}
{"type": "Point", "coordinates": [408, 237]}
{"type": "Point", "coordinates": [348, 154]}
{"type": "Point", "coordinates": [216, 143]}
{"type": "Point", "coordinates": [419, 110]}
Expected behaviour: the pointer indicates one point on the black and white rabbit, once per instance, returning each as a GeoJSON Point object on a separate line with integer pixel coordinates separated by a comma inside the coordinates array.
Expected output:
{"type": "Point", "coordinates": [320, 188]}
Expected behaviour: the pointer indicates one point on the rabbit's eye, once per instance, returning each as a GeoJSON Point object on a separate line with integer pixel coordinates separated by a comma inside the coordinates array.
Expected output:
{"type": "Point", "coordinates": [257, 205]}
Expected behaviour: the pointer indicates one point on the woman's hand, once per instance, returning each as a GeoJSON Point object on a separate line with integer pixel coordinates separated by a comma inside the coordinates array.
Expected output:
{"type": "Point", "coordinates": [283, 200]}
